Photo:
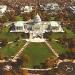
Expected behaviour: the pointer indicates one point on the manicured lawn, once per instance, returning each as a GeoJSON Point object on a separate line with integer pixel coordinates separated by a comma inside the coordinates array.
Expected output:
{"type": "Point", "coordinates": [56, 35]}
{"type": "Point", "coordinates": [69, 33]}
{"type": "Point", "coordinates": [11, 49]}
{"type": "Point", "coordinates": [4, 33]}
{"type": "Point", "coordinates": [58, 47]}
{"type": "Point", "coordinates": [37, 53]}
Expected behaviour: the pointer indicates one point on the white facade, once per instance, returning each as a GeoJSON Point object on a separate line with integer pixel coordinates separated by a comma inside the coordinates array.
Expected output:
{"type": "Point", "coordinates": [56, 27]}
{"type": "Point", "coordinates": [72, 9]}
{"type": "Point", "coordinates": [52, 7]}
{"type": "Point", "coordinates": [19, 25]}
{"type": "Point", "coordinates": [36, 27]}
{"type": "Point", "coordinates": [3, 8]}
{"type": "Point", "coordinates": [26, 9]}
{"type": "Point", "coordinates": [37, 19]}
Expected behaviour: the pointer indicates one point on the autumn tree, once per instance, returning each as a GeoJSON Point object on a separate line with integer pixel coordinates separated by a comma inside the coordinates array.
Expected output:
{"type": "Point", "coordinates": [51, 62]}
{"type": "Point", "coordinates": [26, 16]}
{"type": "Point", "coordinates": [4, 19]}
{"type": "Point", "coordinates": [24, 72]}
{"type": "Point", "coordinates": [61, 73]}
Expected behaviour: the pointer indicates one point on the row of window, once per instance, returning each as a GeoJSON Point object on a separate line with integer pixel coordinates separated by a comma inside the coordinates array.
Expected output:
{"type": "Point", "coordinates": [21, 28]}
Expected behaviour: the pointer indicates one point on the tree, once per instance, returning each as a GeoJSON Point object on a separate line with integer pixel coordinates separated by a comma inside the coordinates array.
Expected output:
{"type": "Point", "coordinates": [8, 73]}
{"type": "Point", "coordinates": [61, 73]}
{"type": "Point", "coordinates": [10, 15]}
{"type": "Point", "coordinates": [26, 16]}
{"type": "Point", "coordinates": [12, 27]}
{"type": "Point", "coordinates": [51, 62]}
{"type": "Point", "coordinates": [18, 18]}
{"type": "Point", "coordinates": [1, 56]}
{"type": "Point", "coordinates": [25, 59]}
{"type": "Point", "coordinates": [24, 72]}
{"type": "Point", "coordinates": [5, 19]}
{"type": "Point", "coordinates": [3, 42]}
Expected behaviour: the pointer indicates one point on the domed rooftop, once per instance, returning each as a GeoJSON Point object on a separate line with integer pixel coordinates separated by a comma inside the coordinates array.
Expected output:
{"type": "Point", "coordinates": [37, 19]}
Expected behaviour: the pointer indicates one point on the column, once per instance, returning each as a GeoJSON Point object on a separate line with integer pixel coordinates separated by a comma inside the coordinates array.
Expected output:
{"type": "Point", "coordinates": [31, 35]}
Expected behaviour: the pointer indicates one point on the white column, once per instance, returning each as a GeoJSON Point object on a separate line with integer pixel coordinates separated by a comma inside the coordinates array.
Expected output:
{"type": "Point", "coordinates": [31, 35]}
{"type": "Point", "coordinates": [42, 35]}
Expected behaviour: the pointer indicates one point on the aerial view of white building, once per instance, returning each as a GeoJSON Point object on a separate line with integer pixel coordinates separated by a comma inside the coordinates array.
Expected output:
{"type": "Point", "coordinates": [36, 27]}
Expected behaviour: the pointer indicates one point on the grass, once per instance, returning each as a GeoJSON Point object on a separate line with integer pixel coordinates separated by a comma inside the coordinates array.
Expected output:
{"type": "Point", "coordinates": [11, 49]}
{"type": "Point", "coordinates": [4, 33]}
{"type": "Point", "coordinates": [37, 53]}
{"type": "Point", "coordinates": [58, 47]}
{"type": "Point", "coordinates": [69, 33]}
{"type": "Point", "coordinates": [56, 35]}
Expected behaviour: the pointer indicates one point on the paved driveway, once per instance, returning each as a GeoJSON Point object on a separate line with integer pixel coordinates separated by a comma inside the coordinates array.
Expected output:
{"type": "Point", "coordinates": [67, 67]}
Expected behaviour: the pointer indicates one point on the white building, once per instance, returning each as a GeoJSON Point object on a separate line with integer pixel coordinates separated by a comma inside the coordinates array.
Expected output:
{"type": "Point", "coordinates": [56, 26]}
{"type": "Point", "coordinates": [72, 9]}
{"type": "Point", "coordinates": [3, 8]}
{"type": "Point", "coordinates": [26, 9]}
{"type": "Point", "coordinates": [37, 27]}
{"type": "Point", "coordinates": [51, 7]}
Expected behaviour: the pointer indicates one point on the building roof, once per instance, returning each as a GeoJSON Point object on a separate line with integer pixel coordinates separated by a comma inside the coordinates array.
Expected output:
{"type": "Point", "coordinates": [51, 6]}
{"type": "Point", "coordinates": [54, 23]}
{"type": "Point", "coordinates": [3, 8]}
{"type": "Point", "coordinates": [19, 23]}
{"type": "Point", "coordinates": [27, 8]}
{"type": "Point", "coordinates": [37, 19]}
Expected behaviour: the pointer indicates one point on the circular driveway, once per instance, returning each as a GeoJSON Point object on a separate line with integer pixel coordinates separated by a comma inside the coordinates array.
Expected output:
{"type": "Point", "coordinates": [67, 67]}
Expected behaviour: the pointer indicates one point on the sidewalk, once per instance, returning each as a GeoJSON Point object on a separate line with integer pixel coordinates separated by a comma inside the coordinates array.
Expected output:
{"type": "Point", "coordinates": [55, 53]}
{"type": "Point", "coordinates": [20, 51]}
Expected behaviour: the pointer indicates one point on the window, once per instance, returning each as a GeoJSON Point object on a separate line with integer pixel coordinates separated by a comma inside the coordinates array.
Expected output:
{"type": "Point", "coordinates": [19, 28]}
{"type": "Point", "coordinates": [55, 28]}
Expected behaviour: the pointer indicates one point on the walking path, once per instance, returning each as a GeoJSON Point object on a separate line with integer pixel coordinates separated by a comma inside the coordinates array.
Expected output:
{"type": "Point", "coordinates": [29, 69]}
{"type": "Point", "coordinates": [55, 53]}
{"type": "Point", "coordinates": [47, 69]}
{"type": "Point", "coordinates": [20, 51]}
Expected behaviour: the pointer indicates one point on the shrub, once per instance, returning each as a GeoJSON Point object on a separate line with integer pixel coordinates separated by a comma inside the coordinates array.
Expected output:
{"type": "Point", "coordinates": [3, 42]}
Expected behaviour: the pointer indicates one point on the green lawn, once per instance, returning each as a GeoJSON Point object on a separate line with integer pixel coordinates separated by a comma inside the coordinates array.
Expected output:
{"type": "Point", "coordinates": [11, 49]}
{"type": "Point", "coordinates": [37, 53]}
{"type": "Point", "coordinates": [58, 47]}
{"type": "Point", "coordinates": [9, 36]}
{"type": "Point", "coordinates": [56, 35]}
{"type": "Point", "coordinates": [69, 33]}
